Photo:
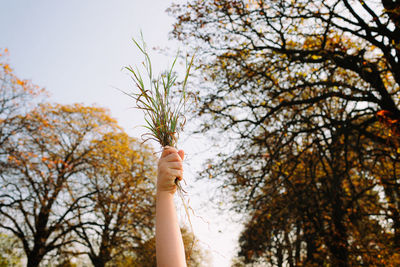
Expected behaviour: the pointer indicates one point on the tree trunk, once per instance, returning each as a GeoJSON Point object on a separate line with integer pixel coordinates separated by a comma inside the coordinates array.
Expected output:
{"type": "Point", "coordinates": [97, 261]}
{"type": "Point", "coordinates": [34, 259]}
{"type": "Point", "coordinates": [338, 245]}
{"type": "Point", "coordinates": [392, 193]}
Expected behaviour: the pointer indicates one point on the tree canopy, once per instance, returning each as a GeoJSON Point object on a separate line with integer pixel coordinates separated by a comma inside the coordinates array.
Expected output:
{"type": "Point", "coordinates": [119, 218]}
{"type": "Point", "coordinates": [307, 94]}
{"type": "Point", "coordinates": [16, 97]}
{"type": "Point", "coordinates": [72, 183]}
{"type": "Point", "coordinates": [41, 184]}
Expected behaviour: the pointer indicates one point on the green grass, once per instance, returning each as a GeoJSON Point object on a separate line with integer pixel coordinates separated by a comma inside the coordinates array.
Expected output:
{"type": "Point", "coordinates": [162, 99]}
{"type": "Point", "coordinates": [164, 111]}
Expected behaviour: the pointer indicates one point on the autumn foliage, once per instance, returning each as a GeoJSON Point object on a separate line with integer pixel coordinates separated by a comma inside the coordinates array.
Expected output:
{"type": "Point", "coordinates": [306, 93]}
{"type": "Point", "coordinates": [72, 182]}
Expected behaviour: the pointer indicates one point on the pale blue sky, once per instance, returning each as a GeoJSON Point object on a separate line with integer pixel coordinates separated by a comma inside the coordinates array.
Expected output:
{"type": "Point", "coordinates": [76, 50]}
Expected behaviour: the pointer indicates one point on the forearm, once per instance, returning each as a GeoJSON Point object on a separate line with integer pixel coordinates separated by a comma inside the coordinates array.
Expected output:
{"type": "Point", "coordinates": [169, 245]}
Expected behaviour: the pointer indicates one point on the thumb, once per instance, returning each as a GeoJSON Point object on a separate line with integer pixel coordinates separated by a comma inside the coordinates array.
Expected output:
{"type": "Point", "coordinates": [181, 153]}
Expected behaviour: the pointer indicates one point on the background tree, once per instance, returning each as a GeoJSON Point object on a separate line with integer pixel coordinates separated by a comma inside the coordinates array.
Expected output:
{"type": "Point", "coordinates": [119, 217]}
{"type": "Point", "coordinates": [318, 208]}
{"type": "Point", "coordinates": [70, 175]}
{"type": "Point", "coordinates": [43, 182]}
{"type": "Point", "coordinates": [17, 96]}
{"type": "Point", "coordinates": [286, 79]}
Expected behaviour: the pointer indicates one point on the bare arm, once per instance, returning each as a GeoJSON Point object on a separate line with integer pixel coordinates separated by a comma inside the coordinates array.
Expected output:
{"type": "Point", "coordinates": [170, 251]}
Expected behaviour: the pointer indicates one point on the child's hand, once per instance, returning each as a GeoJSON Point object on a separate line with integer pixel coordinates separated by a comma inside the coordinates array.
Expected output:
{"type": "Point", "coordinates": [170, 167]}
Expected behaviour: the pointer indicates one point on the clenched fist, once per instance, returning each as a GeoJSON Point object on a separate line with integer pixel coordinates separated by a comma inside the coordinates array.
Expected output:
{"type": "Point", "coordinates": [170, 167]}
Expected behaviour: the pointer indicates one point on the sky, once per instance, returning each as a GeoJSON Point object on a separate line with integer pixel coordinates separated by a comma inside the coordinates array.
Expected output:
{"type": "Point", "coordinates": [77, 49]}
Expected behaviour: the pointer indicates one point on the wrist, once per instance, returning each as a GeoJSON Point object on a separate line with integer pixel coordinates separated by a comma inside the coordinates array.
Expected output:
{"type": "Point", "coordinates": [163, 193]}
{"type": "Point", "coordinates": [167, 187]}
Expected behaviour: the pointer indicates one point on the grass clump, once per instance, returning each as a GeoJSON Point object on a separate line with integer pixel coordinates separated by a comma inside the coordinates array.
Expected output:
{"type": "Point", "coordinates": [163, 99]}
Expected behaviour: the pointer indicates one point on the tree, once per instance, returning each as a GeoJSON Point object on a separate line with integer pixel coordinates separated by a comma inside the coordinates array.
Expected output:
{"type": "Point", "coordinates": [286, 77]}
{"type": "Point", "coordinates": [318, 209]}
{"type": "Point", "coordinates": [16, 98]}
{"type": "Point", "coordinates": [119, 217]}
{"type": "Point", "coordinates": [42, 184]}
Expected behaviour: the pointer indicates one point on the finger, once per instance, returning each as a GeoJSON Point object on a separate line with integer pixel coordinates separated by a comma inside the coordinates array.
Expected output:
{"type": "Point", "coordinates": [176, 173]}
{"type": "Point", "coordinates": [168, 150]}
{"type": "Point", "coordinates": [173, 157]}
{"type": "Point", "coordinates": [181, 154]}
{"type": "Point", "coordinates": [175, 165]}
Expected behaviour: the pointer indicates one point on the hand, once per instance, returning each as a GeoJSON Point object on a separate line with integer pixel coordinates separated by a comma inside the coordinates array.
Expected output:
{"type": "Point", "coordinates": [170, 167]}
